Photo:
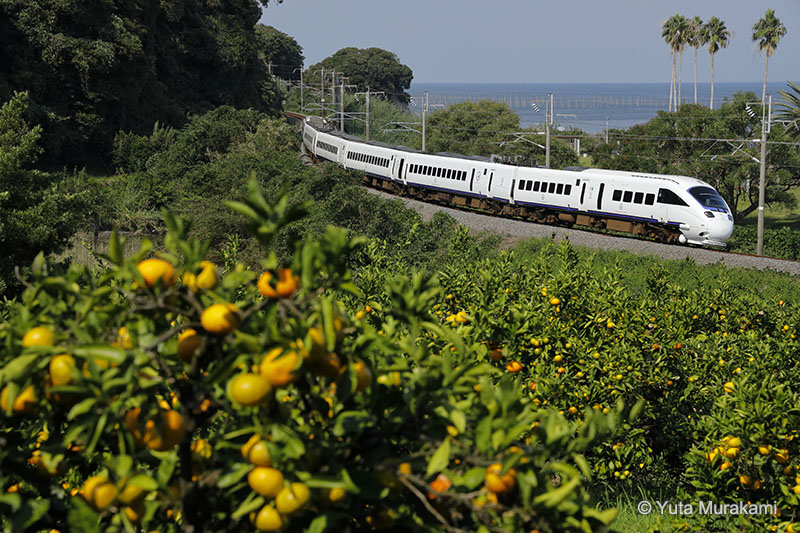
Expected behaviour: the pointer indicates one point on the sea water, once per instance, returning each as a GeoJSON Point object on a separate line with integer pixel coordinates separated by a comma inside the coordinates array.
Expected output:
{"type": "Point", "coordinates": [591, 107]}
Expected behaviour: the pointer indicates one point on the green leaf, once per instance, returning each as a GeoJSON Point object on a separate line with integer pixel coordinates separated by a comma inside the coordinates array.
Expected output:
{"type": "Point", "coordinates": [473, 477]}
{"type": "Point", "coordinates": [18, 367]}
{"type": "Point", "coordinates": [606, 516]}
{"type": "Point", "coordinates": [350, 422]}
{"type": "Point", "coordinates": [121, 465]}
{"type": "Point", "coordinates": [440, 459]}
{"type": "Point", "coordinates": [143, 481]}
{"type": "Point", "coordinates": [233, 477]}
{"type": "Point", "coordinates": [100, 351]}
{"type": "Point", "coordinates": [318, 525]}
{"type": "Point", "coordinates": [483, 435]}
{"type": "Point", "coordinates": [166, 467]}
{"type": "Point", "coordinates": [248, 506]}
{"type": "Point", "coordinates": [636, 410]}
{"type": "Point", "coordinates": [98, 431]}
{"type": "Point", "coordinates": [81, 517]}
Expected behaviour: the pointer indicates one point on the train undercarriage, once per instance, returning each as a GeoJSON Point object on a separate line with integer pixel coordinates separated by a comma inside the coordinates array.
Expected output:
{"type": "Point", "coordinates": [540, 215]}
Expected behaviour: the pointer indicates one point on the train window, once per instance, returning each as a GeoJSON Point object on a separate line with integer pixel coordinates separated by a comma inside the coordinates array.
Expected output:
{"type": "Point", "coordinates": [709, 198]}
{"type": "Point", "coordinates": [649, 199]}
{"type": "Point", "coordinates": [529, 185]}
{"type": "Point", "coordinates": [666, 196]}
{"type": "Point", "coordinates": [521, 185]}
{"type": "Point", "coordinates": [617, 196]}
{"type": "Point", "coordinates": [535, 186]}
{"type": "Point", "coordinates": [463, 175]}
{"type": "Point", "coordinates": [551, 188]}
{"type": "Point", "coordinates": [627, 196]}
{"type": "Point", "coordinates": [567, 189]}
{"type": "Point", "coordinates": [638, 197]}
{"type": "Point", "coordinates": [560, 188]}
{"type": "Point", "coordinates": [577, 182]}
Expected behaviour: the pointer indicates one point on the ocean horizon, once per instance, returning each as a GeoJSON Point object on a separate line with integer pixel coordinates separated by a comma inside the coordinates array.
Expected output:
{"type": "Point", "coordinates": [590, 107]}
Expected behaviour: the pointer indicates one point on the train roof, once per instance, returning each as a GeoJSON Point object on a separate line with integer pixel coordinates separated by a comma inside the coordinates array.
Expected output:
{"type": "Point", "coordinates": [683, 181]}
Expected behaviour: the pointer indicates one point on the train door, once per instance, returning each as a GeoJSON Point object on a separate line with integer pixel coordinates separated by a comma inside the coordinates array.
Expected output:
{"type": "Point", "coordinates": [478, 181]}
{"type": "Point", "coordinates": [400, 169]}
{"type": "Point", "coordinates": [491, 187]}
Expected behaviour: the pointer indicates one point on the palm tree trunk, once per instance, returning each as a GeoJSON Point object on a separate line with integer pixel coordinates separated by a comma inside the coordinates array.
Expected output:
{"type": "Point", "coordinates": [711, 105]}
{"type": "Point", "coordinates": [764, 90]}
{"type": "Point", "coordinates": [680, 81]}
{"type": "Point", "coordinates": [695, 75]}
{"type": "Point", "coordinates": [672, 82]}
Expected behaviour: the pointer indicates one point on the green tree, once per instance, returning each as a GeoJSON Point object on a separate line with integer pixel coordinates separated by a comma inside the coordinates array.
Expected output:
{"type": "Point", "coordinates": [281, 51]}
{"type": "Point", "coordinates": [488, 128]}
{"type": "Point", "coordinates": [37, 211]}
{"type": "Point", "coordinates": [767, 33]}
{"type": "Point", "coordinates": [717, 35]}
{"type": "Point", "coordinates": [94, 68]}
{"type": "Point", "coordinates": [378, 69]}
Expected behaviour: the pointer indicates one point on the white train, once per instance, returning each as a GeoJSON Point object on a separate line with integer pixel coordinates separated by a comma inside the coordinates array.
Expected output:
{"type": "Point", "coordinates": [672, 209]}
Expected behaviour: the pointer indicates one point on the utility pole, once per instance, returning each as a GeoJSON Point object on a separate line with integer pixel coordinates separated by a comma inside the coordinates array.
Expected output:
{"type": "Point", "coordinates": [606, 130]}
{"type": "Point", "coordinates": [341, 105]}
{"type": "Point", "coordinates": [301, 89]}
{"type": "Point", "coordinates": [762, 174]}
{"type": "Point", "coordinates": [548, 121]}
{"type": "Point", "coordinates": [367, 114]}
{"type": "Point", "coordinates": [424, 113]}
{"type": "Point", "coordinates": [322, 86]}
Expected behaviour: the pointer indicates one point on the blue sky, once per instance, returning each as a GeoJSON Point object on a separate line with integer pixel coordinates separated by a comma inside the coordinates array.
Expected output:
{"type": "Point", "coordinates": [530, 41]}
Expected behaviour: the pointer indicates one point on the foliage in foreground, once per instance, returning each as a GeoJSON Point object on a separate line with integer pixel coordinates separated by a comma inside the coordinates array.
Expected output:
{"type": "Point", "coordinates": [131, 399]}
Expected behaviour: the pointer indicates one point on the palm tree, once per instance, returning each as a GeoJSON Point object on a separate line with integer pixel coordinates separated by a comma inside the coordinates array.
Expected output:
{"type": "Point", "coordinates": [682, 31]}
{"type": "Point", "coordinates": [673, 30]}
{"type": "Point", "coordinates": [667, 33]}
{"type": "Point", "coordinates": [790, 109]}
{"type": "Point", "coordinates": [695, 40]}
{"type": "Point", "coordinates": [717, 36]}
{"type": "Point", "coordinates": [767, 32]}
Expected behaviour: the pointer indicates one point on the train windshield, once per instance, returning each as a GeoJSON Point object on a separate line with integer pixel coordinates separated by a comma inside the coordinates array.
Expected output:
{"type": "Point", "coordinates": [708, 198]}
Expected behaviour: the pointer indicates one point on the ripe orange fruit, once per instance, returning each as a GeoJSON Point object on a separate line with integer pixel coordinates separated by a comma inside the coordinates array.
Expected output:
{"type": "Point", "coordinates": [189, 343]}
{"type": "Point", "coordinates": [514, 367]}
{"type": "Point", "coordinates": [364, 376]}
{"type": "Point", "coordinates": [729, 387]}
{"type": "Point", "coordinates": [155, 269]}
{"type": "Point", "coordinates": [500, 483]}
{"type": "Point", "coordinates": [292, 498]}
{"type": "Point", "coordinates": [283, 288]}
{"type": "Point", "coordinates": [496, 354]}
{"type": "Point", "coordinates": [130, 494]}
{"type": "Point", "coordinates": [268, 519]}
{"type": "Point", "coordinates": [134, 511]}
{"type": "Point", "coordinates": [172, 430]}
{"type": "Point", "coordinates": [554, 301]}
{"type": "Point", "coordinates": [250, 389]}
{"type": "Point", "coordinates": [123, 339]}
{"type": "Point", "coordinates": [333, 495]}
{"type": "Point", "coordinates": [38, 336]}
{"type": "Point", "coordinates": [61, 367]}
{"type": "Point", "coordinates": [23, 403]}
{"type": "Point", "coordinates": [440, 484]}
{"type": "Point", "coordinates": [256, 451]}
{"type": "Point", "coordinates": [205, 280]}
{"type": "Point", "coordinates": [99, 492]}
{"type": "Point", "coordinates": [329, 366]}
{"type": "Point", "coordinates": [278, 367]}
{"type": "Point", "coordinates": [265, 480]}
{"type": "Point", "coordinates": [220, 319]}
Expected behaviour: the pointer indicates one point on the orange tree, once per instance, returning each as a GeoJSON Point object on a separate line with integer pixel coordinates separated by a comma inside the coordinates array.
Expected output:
{"type": "Point", "coordinates": [160, 393]}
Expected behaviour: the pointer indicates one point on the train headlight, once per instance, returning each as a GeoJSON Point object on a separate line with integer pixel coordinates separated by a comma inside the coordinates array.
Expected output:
{"type": "Point", "coordinates": [709, 214]}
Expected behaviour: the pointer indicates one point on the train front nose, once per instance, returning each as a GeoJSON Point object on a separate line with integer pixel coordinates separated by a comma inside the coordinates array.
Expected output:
{"type": "Point", "coordinates": [719, 230]}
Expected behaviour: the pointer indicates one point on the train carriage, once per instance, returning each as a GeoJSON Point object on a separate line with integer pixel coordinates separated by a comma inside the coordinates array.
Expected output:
{"type": "Point", "coordinates": [675, 209]}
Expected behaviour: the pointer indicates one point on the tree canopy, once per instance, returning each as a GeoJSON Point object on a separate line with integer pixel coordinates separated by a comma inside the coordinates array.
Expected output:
{"type": "Point", "coordinates": [378, 69]}
{"type": "Point", "coordinates": [485, 128]}
{"type": "Point", "coordinates": [92, 69]}
{"type": "Point", "coordinates": [280, 51]}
